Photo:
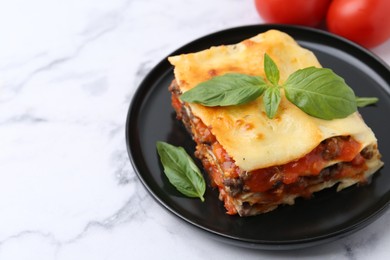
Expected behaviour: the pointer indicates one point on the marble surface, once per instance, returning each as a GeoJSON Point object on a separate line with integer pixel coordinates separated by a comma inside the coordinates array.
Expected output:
{"type": "Point", "coordinates": [68, 70]}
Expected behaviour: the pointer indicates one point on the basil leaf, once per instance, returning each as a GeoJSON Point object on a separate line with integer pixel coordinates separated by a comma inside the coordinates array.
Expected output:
{"type": "Point", "coordinates": [271, 101]}
{"type": "Point", "coordinates": [321, 93]}
{"type": "Point", "coordinates": [365, 101]}
{"type": "Point", "coordinates": [271, 70]}
{"type": "Point", "coordinates": [181, 170]}
{"type": "Point", "coordinates": [226, 90]}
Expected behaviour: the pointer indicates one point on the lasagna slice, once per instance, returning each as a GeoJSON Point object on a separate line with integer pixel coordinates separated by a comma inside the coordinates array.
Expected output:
{"type": "Point", "coordinates": [259, 163]}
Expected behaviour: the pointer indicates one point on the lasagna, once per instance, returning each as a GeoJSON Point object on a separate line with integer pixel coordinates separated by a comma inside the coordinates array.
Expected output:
{"type": "Point", "coordinates": [259, 163]}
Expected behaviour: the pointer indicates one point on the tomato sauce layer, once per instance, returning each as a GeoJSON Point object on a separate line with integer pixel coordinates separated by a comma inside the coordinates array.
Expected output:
{"type": "Point", "coordinates": [335, 149]}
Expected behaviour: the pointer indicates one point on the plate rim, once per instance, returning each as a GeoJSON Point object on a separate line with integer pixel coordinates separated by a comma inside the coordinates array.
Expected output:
{"type": "Point", "coordinates": [164, 66]}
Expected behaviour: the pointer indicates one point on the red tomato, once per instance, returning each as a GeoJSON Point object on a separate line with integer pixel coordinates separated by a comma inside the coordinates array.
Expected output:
{"type": "Point", "coordinates": [366, 22]}
{"type": "Point", "coordinates": [301, 12]}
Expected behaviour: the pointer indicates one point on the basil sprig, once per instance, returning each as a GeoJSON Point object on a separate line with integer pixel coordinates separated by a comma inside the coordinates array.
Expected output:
{"type": "Point", "coordinates": [271, 101]}
{"type": "Point", "coordinates": [226, 90]}
{"type": "Point", "coordinates": [365, 101]}
{"type": "Point", "coordinates": [271, 70]}
{"type": "Point", "coordinates": [181, 170]}
{"type": "Point", "coordinates": [318, 92]}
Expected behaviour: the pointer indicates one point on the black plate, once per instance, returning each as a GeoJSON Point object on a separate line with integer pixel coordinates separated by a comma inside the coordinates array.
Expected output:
{"type": "Point", "coordinates": [329, 215]}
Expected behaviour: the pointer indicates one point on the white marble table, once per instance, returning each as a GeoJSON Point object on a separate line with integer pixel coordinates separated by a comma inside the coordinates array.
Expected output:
{"type": "Point", "coordinates": [68, 70]}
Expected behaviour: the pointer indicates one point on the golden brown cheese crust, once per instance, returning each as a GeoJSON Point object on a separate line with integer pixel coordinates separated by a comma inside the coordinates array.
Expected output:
{"type": "Point", "coordinates": [250, 138]}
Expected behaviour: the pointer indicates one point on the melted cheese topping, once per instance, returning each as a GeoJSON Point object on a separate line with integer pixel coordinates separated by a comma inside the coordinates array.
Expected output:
{"type": "Point", "coordinates": [252, 139]}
